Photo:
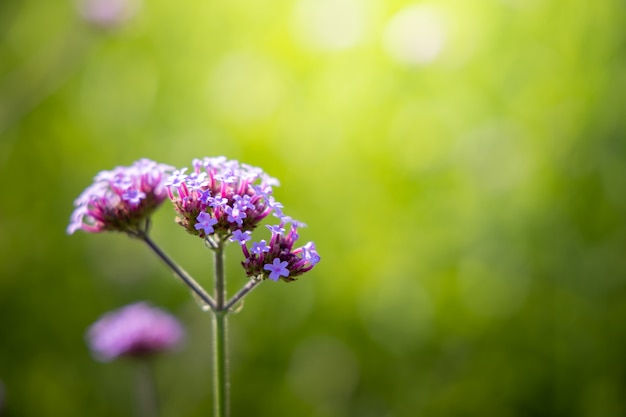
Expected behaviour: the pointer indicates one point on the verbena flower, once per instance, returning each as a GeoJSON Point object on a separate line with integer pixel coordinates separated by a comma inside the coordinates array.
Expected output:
{"type": "Point", "coordinates": [279, 260]}
{"type": "Point", "coordinates": [220, 197]}
{"type": "Point", "coordinates": [107, 13]}
{"type": "Point", "coordinates": [120, 199]}
{"type": "Point", "coordinates": [136, 330]}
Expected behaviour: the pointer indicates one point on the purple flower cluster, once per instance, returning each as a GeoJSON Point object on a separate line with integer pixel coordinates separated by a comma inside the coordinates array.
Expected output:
{"type": "Point", "coordinates": [220, 197]}
{"type": "Point", "coordinates": [120, 199]}
{"type": "Point", "coordinates": [136, 330]}
{"type": "Point", "coordinates": [227, 199]}
{"type": "Point", "coordinates": [278, 260]}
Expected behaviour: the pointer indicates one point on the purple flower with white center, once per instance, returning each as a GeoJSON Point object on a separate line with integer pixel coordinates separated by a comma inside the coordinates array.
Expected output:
{"type": "Point", "coordinates": [196, 181]}
{"type": "Point", "coordinates": [243, 202]}
{"type": "Point", "coordinates": [278, 207]}
{"type": "Point", "coordinates": [205, 197]}
{"type": "Point", "coordinates": [218, 202]}
{"type": "Point", "coordinates": [134, 197]}
{"type": "Point", "coordinates": [121, 199]}
{"type": "Point", "coordinates": [136, 330]}
{"type": "Point", "coordinates": [205, 222]}
{"type": "Point", "coordinates": [177, 178]}
{"type": "Point", "coordinates": [235, 214]}
{"type": "Point", "coordinates": [241, 237]}
{"type": "Point", "coordinates": [226, 177]}
{"type": "Point", "coordinates": [235, 194]}
{"type": "Point", "coordinates": [277, 269]}
{"type": "Point", "coordinates": [310, 254]}
{"type": "Point", "coordinates": [122, 182]}
{"type": "Point", "coordinates": [259, 247]}
{"type": "Point", "coordinates": [276, 229]}
{"type": "Point", "coordinates": [263, 192]}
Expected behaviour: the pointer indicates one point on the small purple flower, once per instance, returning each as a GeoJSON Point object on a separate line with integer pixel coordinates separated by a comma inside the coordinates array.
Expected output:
{"type": "Point", "coordinates": [177, 178]}
{"type": "Point", "coordinates": [277, 206]}
{"type": "Point", "coordinates": [277, 269]}
{"type": "Point", "coordinates": [235, 215]}
{"type": "Point", "coordinates": [133, 197]}
{"type": "Point", "coordinates": [205, 196]}
{"type": "Point", "coordinates": [260, 247]}
{"type": "Point", "coordinates": [310, 254]}
{"type": "Point", "coordinates": [120, 199]}
{"type": "Point", "coordinates": [218, 202]}
{"type": "Point", "coordinates": [241, 237]}
{"type": "Point", "coordinates": [276, 229]}
{"type": "Point", "coordinates": [243, 202]}
{"type": "Point", "coordinates": [136, 330]}
{"type": "Point", "coordinates": [196, 181]}
{"type": "Point", "coordinates": [205, 222]}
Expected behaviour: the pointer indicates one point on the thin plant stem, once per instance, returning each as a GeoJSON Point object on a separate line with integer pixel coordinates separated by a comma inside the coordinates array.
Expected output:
{"type": "Point", "coordinates": [242, 293]}
{"type": "Point", "coordinates": [184, 276]}
{"type": "Point", "coordinates": [220, 365]}
{"type": "Point", "coordinates": [220, 325]}
{"type": "Point", "coordinates": [220, 280]}
{"type": "Point", "coordinates": [147, 396]}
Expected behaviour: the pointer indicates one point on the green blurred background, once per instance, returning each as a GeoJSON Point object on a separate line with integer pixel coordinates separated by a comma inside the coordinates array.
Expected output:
{"type": "Point", "coordinates": [460, 165]}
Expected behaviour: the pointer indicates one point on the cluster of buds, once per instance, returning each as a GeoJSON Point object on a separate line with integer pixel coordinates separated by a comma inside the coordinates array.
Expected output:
{"type": "Point", "coordinates": [120, 199]}
{"type": "Point", "coordinates": [136, 330]}
{"type": "Point", "coordinates": [278, 260]}
{"type": "Point", "coordinates": [223, 199]}
{"type": "Point", "coordinates": [221, 196]}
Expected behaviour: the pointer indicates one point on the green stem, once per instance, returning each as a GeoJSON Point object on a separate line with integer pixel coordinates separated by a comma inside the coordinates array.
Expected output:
{"type": "Point", "coordinates": [147, 397]}
{"type": "Point", "coordinates": [220, 325]}
{"type": "Point", "coordinates": [220, 280]}
{"type": "Point", "coordinates": [220, 365]}
{"type": "Point", "coordinates": [243, 292]}
{"type": "Point", "coordinates": [180, 273]}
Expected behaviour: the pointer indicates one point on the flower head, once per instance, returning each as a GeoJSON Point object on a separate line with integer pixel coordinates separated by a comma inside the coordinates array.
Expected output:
{"type": "Point", "coordinates": [236, 196]}
{"type": "Point", "coordinates": [135, 330]}
{"type": "Point", "coordinates": [120, 199]}
{"type": "Point", "coordinates": [279, 260]}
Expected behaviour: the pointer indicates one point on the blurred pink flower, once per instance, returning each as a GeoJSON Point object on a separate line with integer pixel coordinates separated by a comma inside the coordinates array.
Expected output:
{"type": "Point", "coordinates": [107, 13]}
{"type": "Point", "coordinates": [136, 330]}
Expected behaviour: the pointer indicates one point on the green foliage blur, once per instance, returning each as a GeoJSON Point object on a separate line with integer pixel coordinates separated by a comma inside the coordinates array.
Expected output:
{"type": "Point", "coordinates": [461, 167]}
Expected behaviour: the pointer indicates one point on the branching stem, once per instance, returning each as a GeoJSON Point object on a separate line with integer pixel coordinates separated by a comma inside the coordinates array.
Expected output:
{"type": "Point", "coordinates": [180, 273]}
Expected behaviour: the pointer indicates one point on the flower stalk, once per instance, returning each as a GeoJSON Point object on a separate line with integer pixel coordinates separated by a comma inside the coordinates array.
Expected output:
{"type": "Point", "coordinates": [220, 365]}
{"type": "Point", "coordinates": [220, 330]}
{"type": "Point", "coordinates": [147, 395]}
{"type": "Point", "coordinates": [178, 271]}
{"type": "Point", "coordinates": [242, 293]}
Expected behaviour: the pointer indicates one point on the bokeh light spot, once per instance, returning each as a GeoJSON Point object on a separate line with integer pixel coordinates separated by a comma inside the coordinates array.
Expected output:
{"type": "Point", "coordinates": [415, 35]}
{"type": "Point", "coordinates": [329, 24]}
